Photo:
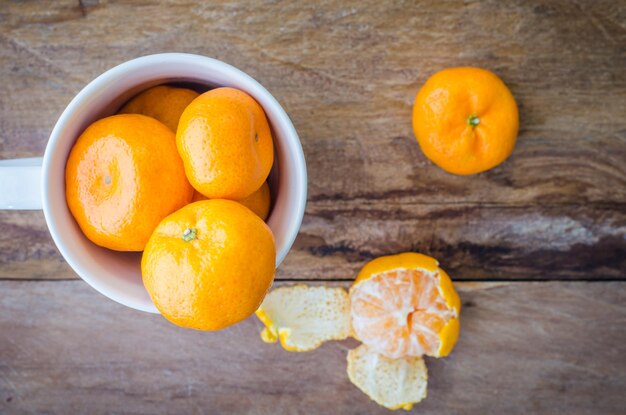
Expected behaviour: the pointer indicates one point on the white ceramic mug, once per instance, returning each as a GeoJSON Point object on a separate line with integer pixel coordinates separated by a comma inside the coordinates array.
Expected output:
{"type": "Point", "coordinates": [35, 183]}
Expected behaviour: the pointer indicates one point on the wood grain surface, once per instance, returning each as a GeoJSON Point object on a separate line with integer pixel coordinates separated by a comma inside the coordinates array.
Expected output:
{"type": "Point", "coordinates": [524, 348]}
{"type": "Point", "coordinates": [347, 73]}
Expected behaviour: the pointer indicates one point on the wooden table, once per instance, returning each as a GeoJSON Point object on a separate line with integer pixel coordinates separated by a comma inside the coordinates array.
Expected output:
{"type": "Point", "coordinates": [536, 246]}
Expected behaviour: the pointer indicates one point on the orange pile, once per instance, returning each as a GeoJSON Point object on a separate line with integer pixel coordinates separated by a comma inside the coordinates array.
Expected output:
{"type": "Point", "coordinates": [131, 180]}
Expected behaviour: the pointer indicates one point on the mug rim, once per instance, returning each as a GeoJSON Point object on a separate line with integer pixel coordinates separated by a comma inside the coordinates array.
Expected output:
{"type": "Point", "coordinates": [270, 106]}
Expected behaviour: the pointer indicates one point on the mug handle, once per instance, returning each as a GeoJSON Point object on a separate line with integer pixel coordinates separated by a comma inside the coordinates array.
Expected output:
{"type": "Point", "coordinates": [20, 184]}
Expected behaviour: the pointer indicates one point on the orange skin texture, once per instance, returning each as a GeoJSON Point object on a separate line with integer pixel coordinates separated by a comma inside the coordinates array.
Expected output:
{"type": "Point", "coordinates": [164, 103]}
{"type": "Point", "coordinates": [441, 116]}
{"type": "Point", "coordinates": [217, 278]}
{"type": "Point", "coordinates": [226, 145]}
{"type": "Point", "coordinates": [258, 202]}
{"type": "Point", "coordinates": [122, 177]}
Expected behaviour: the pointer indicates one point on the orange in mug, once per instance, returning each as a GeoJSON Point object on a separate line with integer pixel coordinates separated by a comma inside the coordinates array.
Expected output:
{"type": "Point", "coordinates": [114, 189]}
{"type": "Point", "coordinates": [226, 144]}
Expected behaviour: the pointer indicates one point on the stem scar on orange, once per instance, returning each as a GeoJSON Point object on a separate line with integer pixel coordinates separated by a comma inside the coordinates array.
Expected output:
{"type": "Point", "coordinates": [122, 177]}
{"type": "Point", "coordinates": [209, 265]}
{"type": "Point", "coordinates": [465, 120]}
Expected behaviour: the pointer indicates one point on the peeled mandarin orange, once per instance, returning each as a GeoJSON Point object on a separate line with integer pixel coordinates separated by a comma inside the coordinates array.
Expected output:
{"type": "Point", "coordinates": [122, 177]}
{"type": "Point", "coordinates": [164, 103]}
{"type": "Point", "coordinates": [465, 120]}
{"type": "Point", "coordinates": [405, 305]}
{"type": "Point", "coordinates": [258, 202]}
{"type": "Point", "coordinates": [209, 265]}
{"type": "Point", "coordinates": [226, 145]}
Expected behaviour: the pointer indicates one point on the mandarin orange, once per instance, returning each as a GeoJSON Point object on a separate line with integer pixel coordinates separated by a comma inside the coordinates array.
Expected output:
{"type": "Point", "coordinates": [465, 120]}
{"type": "Point", "coordinates": [258, 202]}
{"type": "Point", "coordinates": [164, 103]}
{"type": "Point", "coordinates": [226, 144]}
{"type": "Point", "coordinates": [405, 305]}
{"type": "Point", "coordinates": [122, 177]}
{"type": "Point", "coordinates": [209, 264]}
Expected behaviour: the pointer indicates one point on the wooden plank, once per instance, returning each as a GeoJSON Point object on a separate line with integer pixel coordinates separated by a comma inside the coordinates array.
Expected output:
{"type": "Point", "coordinates": [541, 348]}
{"type": "Point", "coordinates": [347, 74]}
{"type": "Point", "coordinates": [27, 250]}
{"type": "Point", "coordinates": [472, 241]}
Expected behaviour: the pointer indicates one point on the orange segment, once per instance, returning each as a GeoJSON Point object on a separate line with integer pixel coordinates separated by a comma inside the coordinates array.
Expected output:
{"type": "Point", "coordinates": [404, 305]}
